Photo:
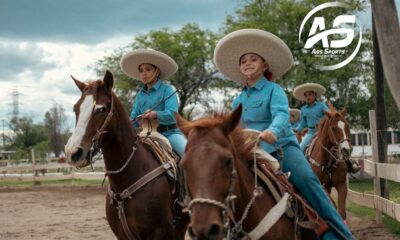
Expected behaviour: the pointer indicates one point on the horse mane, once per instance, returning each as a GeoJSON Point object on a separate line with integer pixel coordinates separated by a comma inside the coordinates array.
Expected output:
{"type": "Point", "coordinates": [215, 120]}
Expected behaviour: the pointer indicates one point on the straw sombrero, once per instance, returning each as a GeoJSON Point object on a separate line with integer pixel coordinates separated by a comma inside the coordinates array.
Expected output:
{"type": "Point", "coordinates": [299, 91]}
{"type": "Point", "coordinates": [230, 48]}
{"type": "Point", "coordinates": [296, 113]}
{"type": "Point", "coordinates": [131, 61]}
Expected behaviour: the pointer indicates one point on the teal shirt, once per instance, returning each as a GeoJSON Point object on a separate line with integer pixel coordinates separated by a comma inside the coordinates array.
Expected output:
{"type": "Point", "coordinates": [147, 99]}
{"type": "Point", "coordinates": [311, 115]}
{"type": "Point", "coordinates": [265, 107]}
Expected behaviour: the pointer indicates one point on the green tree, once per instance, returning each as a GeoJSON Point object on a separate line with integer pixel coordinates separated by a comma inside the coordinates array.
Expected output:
{"type": "Point", "coordinates": [56, 129]}
{"type": "Point", "coordinates": [27, 134]}
{"type": "Point", "coordinates": [191, 47]}
{"type": "Point", "coordinates": [346, 86]}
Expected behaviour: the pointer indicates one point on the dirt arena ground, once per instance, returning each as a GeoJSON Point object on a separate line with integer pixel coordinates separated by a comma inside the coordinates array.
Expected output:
{"type": "Point", "coordinates": [41, 213]}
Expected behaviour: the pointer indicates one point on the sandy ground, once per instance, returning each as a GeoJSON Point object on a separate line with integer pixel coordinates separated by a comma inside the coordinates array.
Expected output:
{"type": "Point", "coordinates": [78, 213]}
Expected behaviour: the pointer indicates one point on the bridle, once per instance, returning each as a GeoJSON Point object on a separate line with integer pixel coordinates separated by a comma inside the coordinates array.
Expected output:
{"type": "Point", "coordinates": [228, 205]}
{"type": "Point", "coordinates": [96, 140]}
{"type": "Point", "coordinates": [335, 152]}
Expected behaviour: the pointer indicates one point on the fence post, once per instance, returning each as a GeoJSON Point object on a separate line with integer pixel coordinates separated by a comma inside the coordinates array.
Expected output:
{"type": "Point", "coordinates": [375, 157]}
{"type": "Point", "coordinates": [34, 167]}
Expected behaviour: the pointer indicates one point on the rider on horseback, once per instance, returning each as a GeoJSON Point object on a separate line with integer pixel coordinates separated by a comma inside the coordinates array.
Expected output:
{"type": "Point", "coordinates": [312, 112]}
{"type": "Point", "coordinates": [253, 58]}
{"type": "Point", "coordinates": [150, 66]}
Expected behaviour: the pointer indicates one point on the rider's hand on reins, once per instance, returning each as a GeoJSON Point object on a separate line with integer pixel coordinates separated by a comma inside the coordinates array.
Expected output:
{"type": "Point", "coordinates": [268, 136]}
{"type": "Point", "coordinates": [150, 115]}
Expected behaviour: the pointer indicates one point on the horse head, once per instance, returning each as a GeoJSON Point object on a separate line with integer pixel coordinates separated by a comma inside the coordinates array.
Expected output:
{"type": "Point", "coordinates": [93, 112]}
{"type": "Point", "coordinates": [209, 169]}
{"type": "Point", "coordinates": [337, 129]}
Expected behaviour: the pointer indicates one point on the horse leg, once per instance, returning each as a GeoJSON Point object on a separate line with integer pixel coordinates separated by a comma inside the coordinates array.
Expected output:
{"type": "Point", "coordinates": [342, 195]}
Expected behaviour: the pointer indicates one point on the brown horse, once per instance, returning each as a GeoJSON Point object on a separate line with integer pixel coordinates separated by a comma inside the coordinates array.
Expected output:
{"type": "Point", "coordinates": [135, 209]}
{"type": "Point", "coordinates": [329, 153]}
{"type": "Point", "coordinates": [216, 169]}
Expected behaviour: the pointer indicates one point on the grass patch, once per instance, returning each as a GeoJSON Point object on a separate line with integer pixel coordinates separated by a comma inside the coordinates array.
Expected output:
{"type": "Point", "coordinates": [367, 186]}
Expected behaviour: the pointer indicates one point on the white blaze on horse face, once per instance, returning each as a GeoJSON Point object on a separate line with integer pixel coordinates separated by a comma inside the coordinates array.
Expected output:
{"type": "Point", "coordinates": [85, 111]}
{"type": "Point", "coordinates": [344, 144]}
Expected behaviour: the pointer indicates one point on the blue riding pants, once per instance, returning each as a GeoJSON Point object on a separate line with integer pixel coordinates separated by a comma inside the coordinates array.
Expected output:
{"type": "Point", "coordinates": [177, 140]}
{"type": "Point", "coordinates": [309, 186]}
{"type": "Point", "coordinates": [307, 139]}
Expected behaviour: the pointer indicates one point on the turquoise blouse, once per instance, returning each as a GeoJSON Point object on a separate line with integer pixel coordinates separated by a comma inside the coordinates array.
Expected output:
{"type": "Point", "coordinates": [265, 107]}
{"type": "Point", "coordinates": [149, 98]}
{"type": "Point", "coordinates": [311, 115]}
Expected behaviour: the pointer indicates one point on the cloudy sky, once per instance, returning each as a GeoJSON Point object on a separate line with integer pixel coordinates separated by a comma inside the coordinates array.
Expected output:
{"type": "Point", "coordinates": [42, 42]}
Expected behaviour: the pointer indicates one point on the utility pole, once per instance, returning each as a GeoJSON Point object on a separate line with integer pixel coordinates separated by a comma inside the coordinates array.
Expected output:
{"type": "Point", "coordinates": [4, 136]}
{"type": "Point", "coordinates": [380, 110]}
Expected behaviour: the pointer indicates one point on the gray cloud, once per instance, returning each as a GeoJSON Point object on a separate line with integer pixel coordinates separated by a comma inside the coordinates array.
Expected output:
{"type": "Point", "coordinates": [15, 59]}
{"type": "Point", "coordinates": [93, 21]}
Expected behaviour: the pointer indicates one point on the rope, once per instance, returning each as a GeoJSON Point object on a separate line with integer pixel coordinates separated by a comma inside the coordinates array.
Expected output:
{"type": "Point", "coordinates": [206, 201]}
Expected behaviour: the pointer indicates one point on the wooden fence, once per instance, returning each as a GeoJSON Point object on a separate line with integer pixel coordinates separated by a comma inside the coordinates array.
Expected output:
{"type": "Point", "coordinates": [34, 172]}
{"type": "Point", "coordinates": [380, 204]}
{"type": "Point", "coordinates": [378, 170]}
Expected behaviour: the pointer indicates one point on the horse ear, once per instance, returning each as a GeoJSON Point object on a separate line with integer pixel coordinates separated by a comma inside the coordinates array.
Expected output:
{"type": "Point", "coordinates": [232, 121]}
{"type": "Point", "coordinates": [108, 81]}
{"type": "Point", "coordinates": [78, 83]}
{"type": "Point", "coordinates": [183, 124]}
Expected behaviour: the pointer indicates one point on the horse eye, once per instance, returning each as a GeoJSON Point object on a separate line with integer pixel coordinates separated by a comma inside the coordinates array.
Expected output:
{"type": "Point", "coordinates": [101, 110]}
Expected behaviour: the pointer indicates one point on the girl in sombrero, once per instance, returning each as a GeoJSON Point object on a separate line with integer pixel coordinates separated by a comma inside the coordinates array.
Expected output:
{"type": "Point", "coordinates": [312, 112]}
{"type": "Point", "coordinates": [152, 67]}
{"type": "Point", "coordinates": [254, 58]}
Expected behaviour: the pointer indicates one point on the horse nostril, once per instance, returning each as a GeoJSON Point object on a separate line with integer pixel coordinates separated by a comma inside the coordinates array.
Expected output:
{"type": "Point", "coordinates": [214, 231]}
{"type": "Point", "coordinates": [77, 155]}
{"type": "Point", "coordinates": [192, 234]}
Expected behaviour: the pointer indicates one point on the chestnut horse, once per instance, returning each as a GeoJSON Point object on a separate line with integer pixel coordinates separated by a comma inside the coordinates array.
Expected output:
{"type": "Point", "coordinates": [135, 209]}
{"type": "Point", "coordinates": [329, 153]}
{"type": "Point", "coordinates": [216, 171]}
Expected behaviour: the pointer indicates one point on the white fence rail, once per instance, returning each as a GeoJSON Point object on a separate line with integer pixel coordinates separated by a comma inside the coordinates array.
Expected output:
{"type": "Point", "coordinates": [378, 170]}
{"type": "Point", "coordinates": [32, 172]}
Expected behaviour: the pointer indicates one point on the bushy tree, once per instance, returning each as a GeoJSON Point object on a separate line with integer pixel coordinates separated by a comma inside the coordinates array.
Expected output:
{"type": "Point", "coordinates": [56, 129]}
{"type": "Point", "coordinates": [26, 133]}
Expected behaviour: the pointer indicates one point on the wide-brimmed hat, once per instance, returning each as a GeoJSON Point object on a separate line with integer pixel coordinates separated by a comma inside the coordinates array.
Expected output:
{"type": "Point", "coordinates": [299, 91]}
{"type": "Point", "coordinates": [230, 48]}
{"type": "Point", "coordinates": [296, 113]}
{"type": "Point", "coordinates": [131, 61]}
